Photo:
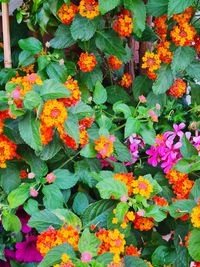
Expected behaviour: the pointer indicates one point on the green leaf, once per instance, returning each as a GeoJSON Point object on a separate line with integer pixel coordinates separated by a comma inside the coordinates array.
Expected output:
{"type": "Point", "coordinates": [65, 179]}
{"type": "Point", "coordinates": [187, 149]}
{"type": "Point", "coordinates": [31, 206]}
{"type": "Point", "coordinates": [52, 89]}
{"type": "Point", "coordinates": [32, 100]}
{"type": "Point", "coordinates": [54, 255]}
{"type": "Point", "coordinates": [43, 62]}
{"type": "Point", "coordinates": [157, 8]}
{"type": "Point", "coordinates": [82, 28]}
{"type": "Point", "coordinates": [116, 93]}
{"type": "Point", "coordinates": [18, 196]}
{"type": "Point", "coordinates": [88, 151]}
{"type": "Point", "coordinates": [10, 222]}
{"type": "Point", "coordinates": [88, 243]}
{"type": "Point", "coordinates": [26, 58]}
{"type": "Point", "coordinates": [105, 6]}
{"type": "Point", "coordinates": [134, 262]}
{"type": "Point", "coordinates": [68, 218]}
{"type": "Point", "coordinates": [193, 70]}
{"type": "Point", "coordinates": [163, 255]}
{"type": "Point", "coordinates": [122, 153]}
{"type": "Point", "coordinates": [72, 127]}
{"type": "Point", "coordinates": [14, 180]}
{"type": "Point", "coordinates": [80, 203]}
{"type": "Point", "coordinates": [53, 198]}
{"type": "Point", "coordinates": [50, 150]}
{"type": "Point", "coordinates": [141, 86]}
{"type": "Point", "coordinates": [122, 108]}
{"type": "Point", "coordinates": [121, 210]}
{"type": "Point", "coordinates": [62, 38]}
{"type": "Point", "coordinates": [109, 42]}
{"type": "Point", "coordinates": [90, 79]}
{"type": "Point", "coordinates": [100, 94]}
{"type": "Point", "coordinates": [132, 126]}
{"type": "Point", "coordinates": [181, 207]}
{"type": "Point", "coordinates": [156, 213]}
{"type": "Point", "coordinates": [29, 129]}
{"type": "Point", "coordinates": [57, 72]}
{"type": "Point", "coordinates": [195, 192]}
{"type": "Point", "coordinates": [164, 80]}
{"type": "Point", "coordinates": [178, 6]}
{"type": "Point", "coordinates": [31, 44]}
{"type": "Point", "coordinates": [139, 14]}
{"type": "Point", "coordinates": [97, 213]}
{"type": "Point", "coordinates": [194, 245]}
{"type": "Point", "coordinates": [148, 134]}
{"type": "Point", "coordinates": [156, 187]}
{"type": "Point", "coordinates": [195, 93]}
{"type": "Point", "coordinates": [43, 219]}
{"type": "Point", "coordinates": [182, 58]}
{"type": "Point", "coordinates": [112, 187]}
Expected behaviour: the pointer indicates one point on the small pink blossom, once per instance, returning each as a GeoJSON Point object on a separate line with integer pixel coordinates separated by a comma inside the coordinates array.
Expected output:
{"type": "Point", "coordinates": [142, 99]}
{"type": "Point", "coordinates": [47, 44]}
{"type": "Point", "coordinates": [153, 116]}
{"type": "Point", "coordinates": [33, 192]}
{"type": "Point", "coordinates": [140, 213]}
{"type": "Point", "coordinates": [86, 257]}
{"type": "Point", "coordinates": [123, 199]}
{"type": "Point", "coordinates": [112, 138]}
{"type": "Point", "coordinates": [31, 175]}
{"type": "Point", "coordinates": [15, 94]}
{"type": "Point", "coordinates": [50, 177]}
{"type": "Point", "coordinates": [158, 107]}
{"type": "Point", "coordinates": [61, 61]}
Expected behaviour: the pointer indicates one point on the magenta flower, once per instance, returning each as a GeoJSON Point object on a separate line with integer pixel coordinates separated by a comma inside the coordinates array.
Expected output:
{"type": "Point", "coordinates": [86, 257]}
{"type": "Point", "coordinates": [26, 251]}
{"type": "Point", "coordinates": [24, 217]}
{"type": "Point", "coordinates": [135, 143]}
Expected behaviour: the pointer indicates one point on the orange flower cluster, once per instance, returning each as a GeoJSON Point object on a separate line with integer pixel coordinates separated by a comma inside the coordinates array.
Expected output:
{"type": "Point", "coordinates": [197, 44]}
{"type": "Point", "coordinates": [129, 217]}
{"type": "Point", "coordinates": [114, 63]}
{"type": "Point", "coordinates": [142, 187]}
{"type": "Point", "coordinates": [67, 13]}
{"type": "Point", "coordinates": [123, 25]}
{"type": "Point", "coordinates": [28, 70]}
{"type": "Point", "coordinates": [87, 62]}
{"type": "Point", "coordinates": [104, 146]}
{"type": "Point", "coordinates": [143, 224]}
{"type": "Point", "coordinates": [151, 62]}
{"type": "Point", "coordinates": [160, 201]}
{"type": "Point", "coordinates": [66, 262]}
{"type": "Point", "coordinates": [126, 80]}
{"type": "Point", "coordinates": [72, 86]}
{"type": "Point", "coordinates": [23, 174]}
{"type": "Point", "coordinates": [183, 35]}
{"type": "Point", "coordinates": [7, 150]}
{"type": "Point", "coordinates": [181, 184]}
{"type": "Point", "coordinates": [178, 89]}
{"type": "Point", "coordinates": [132, 251]}
{"type": "Point", "coordinates": [3, 115]}
{"type": "Point", "coordinates": [126, 178]}
{"type": "Point", "coordinates": [184, 17]}
{"type": "Point", "coordinates": [52, 238]}
{"type": "Point", "coordinates": [111, 241]}
{"type": "Point", "coordinates": [161, 27]}
{"type": "Point", "coordinates": [53, 115]}
{"type": "Point", "coordinates": [195, 215]}
{"type": "Point", "coordinates": [164, 53]}
{"type": "Point", "coordinates": [89, 9]}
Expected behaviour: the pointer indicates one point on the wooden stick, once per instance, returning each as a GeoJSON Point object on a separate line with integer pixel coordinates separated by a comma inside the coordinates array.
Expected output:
{"type": "Point", "coordinates": [6, 36]}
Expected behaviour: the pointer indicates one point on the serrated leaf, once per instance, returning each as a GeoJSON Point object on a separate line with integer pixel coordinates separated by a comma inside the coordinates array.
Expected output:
{"type": "Point", "coordinates": [122, 153]}
{"type": "Point", "coordinates": [122, 108]}
{"type": "Point", "coordinates": [121, 210]}
{"type": "Point", "coordinates": [105, 6]}
{"type": "Point", "coordinates": [72, 127]}
{"type": "Point", "coordinates": [53, 198]}
{"type": "Point", "coordinates": [18, 196]}
{"type": "Point", "coordinates": [193, 70]}
{"type": "Point", "coordinates": [65, 179]}
{"type": "Point", "coordinates": [80, 203]}
{"type": "Point", "coordinates": [178, 6]}
{"type": "Point", "coordinates": [187, 149]}
{"type": "Point", "coordinates": [194, 245]}
{"type": "Point", "coordinates": [100, 94]}
{"type": "Point", "coordinates": [134, 261]}
{"type": "Point", "coordinates": [88, 151]}
{"type": "Point", "coordinates": [31, 44]}
{"type": "Point", "coordinates": [62, 38]}
{"type": "Point", "coordinates": [88, 243]}
{"type": "Point", "coordinates": [32, 100]}
{"type": "Point", "coordinates": [132, 126]}
{"type": "Point", "coordinates": [26, 58]}
{"type": "Point", "coordinates": [141, 86]}
{"type": "Point", "coordinates": [10, 222]}
{"type": "Point", "coordinates": [164, 80]}
{"type": "Point", "coordinates": [57, 72]}
{"type": "Point", "coordinates": [29, 129]}
{"type": "Point", "coordinates": [157, 8]}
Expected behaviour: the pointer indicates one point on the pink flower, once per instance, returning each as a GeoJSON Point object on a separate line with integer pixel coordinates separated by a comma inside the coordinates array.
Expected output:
{"type": "Point", "coordinates": [16, 93]}
{"type": "Point", "coordinates": [111, 138]}
{"type": "Point", "coordinates": [140, 213]}
{"type": "Point", "coordinates": [153, 116]}
{"type": "Point", "coordinates": [27, 252]}
{"type": "Point", "coordinates": [33, 192]}
{"type": "Point", "coordinates": [123, 199]}
{"type": "Point", "coordinates": [142, 99]}
{"type": "Point", "coordinates": [61, 61]}
{"type": "Point", "coordinates": [50, 177]}
{"type": "Point", "coordinates": [86, 257]}
{"type": "Point", "coordinates": [31, 175]}
{"type": "Point", "coordinates": [24, 218]}
{"type": "Point", "coordinates": [158, 107]}
{"type": "Point", "coordinates": [135, 143]}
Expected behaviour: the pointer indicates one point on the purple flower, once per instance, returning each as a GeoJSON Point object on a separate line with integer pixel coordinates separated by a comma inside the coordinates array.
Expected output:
{"type": "Point", "coordinates": [135, 143]}
{"type": "Point", "coordinates": [24, 217]}
{"type": "Point", "coordinates": [26, 251]}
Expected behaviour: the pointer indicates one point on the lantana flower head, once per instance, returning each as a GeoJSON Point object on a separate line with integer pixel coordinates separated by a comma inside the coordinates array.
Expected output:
{"type": "Point", "coordinates": [123, 25]}
{"type": "Point", "coordinates": [67, 12]}
{"type": "Point", "coordinates": [89, 8]}
{"type": "Point", "coordinates": [104, 146]}
{"type": "Point", "coordinates": [87, 62]}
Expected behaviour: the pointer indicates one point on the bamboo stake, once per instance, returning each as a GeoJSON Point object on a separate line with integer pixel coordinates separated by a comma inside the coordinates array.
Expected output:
{"type": "Point", "coordinates": [6, 36]}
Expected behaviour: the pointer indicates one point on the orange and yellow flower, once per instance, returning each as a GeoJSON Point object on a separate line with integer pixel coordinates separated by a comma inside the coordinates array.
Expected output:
{"type": "Point", "coordinates": [46, 133]}
{"type": "Point", "coordinates": [142, 187]}
{"type": "Point", "coordinates": [46, 241]}
{"type": "Point", "coordinates": [123, 25]}
{"type": "Point", "coordinates": [126, 178]}
{"type": "Point", "coordinates": [104, 146]}
{"type": "Point", "coordinates": [164, 53]}
{"type": "Point", "coordinates": [87, 62]}
{"type": "Point", "coordinates": [161, 26]}
{"type": "Point", "coordinates": [143, 224]}
{"type": "Point", "coordinates": [195, 216]}
{"type": "Point", "coordinates": [66, 262]}
{"type": "Point", "coordinates": [67, 13]}
{"type": "Point", "coordinates": [7, 150]}
{"type": "Point", "coordinates": [68, 234]}
{"type": "Point", "coordinates": [72, 86]}
{"type": "Point", "coordinates": [151, 61]}
{"type": "Point", "coordinates": [126, 80]}
{"type": "Point", "coordinates": [160, 201]}
{"type": "Point", "coordinates": [174, 176]}
{"type": "Point", "coordinates": [89, 9]}
{"type": "Point", "coordinates": [183, 34]}
{"type": "Point", "coordinates": [53, 114]}
{"type": "Point", "coordinates": [184, 17]}
{"type": "Point", "coordinates": [132, 251]}
{"type": "Point", "coordinates": [114, 63]}
{"type": "Point", "coordinates": [178, 89]}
